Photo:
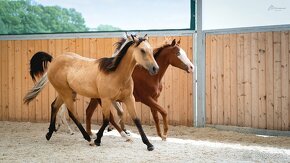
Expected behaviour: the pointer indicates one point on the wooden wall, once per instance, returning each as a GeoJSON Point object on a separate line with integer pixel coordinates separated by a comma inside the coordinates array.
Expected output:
{"type": "Point", "coordinates": [15, 81]}
{"type": "Point", "coordinates": [248, 80]}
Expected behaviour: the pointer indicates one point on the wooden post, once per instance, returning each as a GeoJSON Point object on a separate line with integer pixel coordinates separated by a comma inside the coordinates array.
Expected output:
{"type": "Point", "coordinates": [199, 111]}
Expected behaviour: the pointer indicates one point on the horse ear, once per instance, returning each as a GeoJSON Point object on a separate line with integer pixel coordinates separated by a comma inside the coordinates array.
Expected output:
{"type": "Point", "coordinates": [173, 42]}
{"type": "Point", "coordinates": [178, 42]}
{"type": "Point", "coordinates": [146, 37]}
{"type": "Point", "coordinates": [134, 38]}
{"type": "Point", "coordinates": [127, 36]}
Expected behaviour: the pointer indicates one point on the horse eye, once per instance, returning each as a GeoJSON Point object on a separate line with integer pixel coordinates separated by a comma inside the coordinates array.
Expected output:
{"type": "Point", "coordinates": [178, 53]}
{"type": "Point", "coordinates": [142, 51]}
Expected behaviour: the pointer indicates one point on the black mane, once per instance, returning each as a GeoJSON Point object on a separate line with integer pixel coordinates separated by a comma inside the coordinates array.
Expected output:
{"type": "Point", "coordinates": [119, 44]}
{"type": "Point", "coordinates": [123, 40]}
{"type": "Point", "coordinates": [110, 64]}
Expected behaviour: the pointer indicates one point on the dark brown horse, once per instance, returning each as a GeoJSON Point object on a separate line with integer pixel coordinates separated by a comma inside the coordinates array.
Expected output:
{"type": "Point", "coordinates": [106, 79]}
{"type": "Point", "coordinates": [147, 88]}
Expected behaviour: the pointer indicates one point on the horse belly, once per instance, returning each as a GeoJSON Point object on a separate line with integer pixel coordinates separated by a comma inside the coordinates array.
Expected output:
{"type": "Point", "coordinates": [84, 86]}
{"type": "Point", "coordinates": [85, 90]}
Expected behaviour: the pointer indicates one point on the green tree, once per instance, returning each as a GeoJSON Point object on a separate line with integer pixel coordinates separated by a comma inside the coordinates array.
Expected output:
{"type": "Point", "coordinates": [25, 16]}
{"type": "Point", "coordinates": [106, 27]}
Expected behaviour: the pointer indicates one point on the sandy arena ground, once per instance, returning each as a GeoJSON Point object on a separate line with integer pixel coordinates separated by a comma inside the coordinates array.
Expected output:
{"type": "Point", "coordinates": [25, 142]}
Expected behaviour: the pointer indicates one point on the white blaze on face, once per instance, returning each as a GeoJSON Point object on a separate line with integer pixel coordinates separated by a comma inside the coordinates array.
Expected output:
{"type": "Point", "coordinates": [185, 60]}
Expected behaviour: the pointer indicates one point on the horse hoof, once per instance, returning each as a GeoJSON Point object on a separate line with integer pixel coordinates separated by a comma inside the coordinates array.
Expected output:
{"type": "Point", "coordinates": [150, 148]}
{"type": "Point", "coordinates": [129, 140]}
{"type": "Point", "coordinates": [163, 137]}
{"type": "Point", "coordinates": [97, 143]}
{"type": "Point", "coordinates": [48, 136]}
{"type": "Point", "coordinates": [127, 132]}
{"type": "Point", "coordinates": [110, 129]}
{"type": "Point", "coordinates": [92, 143]}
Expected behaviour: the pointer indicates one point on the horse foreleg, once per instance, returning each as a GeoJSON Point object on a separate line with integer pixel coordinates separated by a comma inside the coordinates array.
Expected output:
{"type": "Point", "coordinates": [89, 113]}
{"type": "Point", "coordinates": [55, 105]}
{"type": "Point", "coordinates": [130, 103]}
{"type": "Point", "coordinates": [154, 108]}
{"type": "Point", "coordinates": [106, 114]}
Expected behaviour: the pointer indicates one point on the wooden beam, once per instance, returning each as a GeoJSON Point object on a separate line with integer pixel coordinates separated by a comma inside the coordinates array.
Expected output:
{"type": "Point", "coordinates": [199, 110]}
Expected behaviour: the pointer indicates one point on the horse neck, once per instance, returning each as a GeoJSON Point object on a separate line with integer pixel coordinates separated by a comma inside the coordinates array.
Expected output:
{"type": "Point", "coordinates": [126, 67]}
{"type": "Point", "coordinates": [163, 64]}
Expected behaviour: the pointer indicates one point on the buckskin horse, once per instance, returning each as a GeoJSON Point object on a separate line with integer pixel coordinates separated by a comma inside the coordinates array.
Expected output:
{"type": "Point", "coordinates": [105, 79]}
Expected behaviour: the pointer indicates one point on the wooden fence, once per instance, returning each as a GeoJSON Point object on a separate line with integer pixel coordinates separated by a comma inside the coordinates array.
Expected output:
{"type": "Point", "coordinates": [248, 80]}
{"type": "Point", "coordinates": [15, 81]}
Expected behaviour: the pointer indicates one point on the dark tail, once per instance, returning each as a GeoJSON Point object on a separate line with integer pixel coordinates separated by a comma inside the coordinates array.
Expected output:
{"type": "Point", "coordinates": [38, 64]}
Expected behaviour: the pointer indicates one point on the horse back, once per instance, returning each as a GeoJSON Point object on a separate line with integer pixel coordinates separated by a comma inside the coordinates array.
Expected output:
{"type": "Point", "coordinates": [75, 72]}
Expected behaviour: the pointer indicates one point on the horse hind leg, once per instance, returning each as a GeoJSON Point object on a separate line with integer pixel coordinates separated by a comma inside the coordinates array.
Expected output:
{"type": "Point", "coordinates": [157, 124]}
{"type": "Point", "coordinates": [58, 121]}
{"type": "Point", "coordinates": [111, 125]}
{"type": "Point", "coordinates": [120, 130]}
{"type": "Point", "coordinates": [54, 109]}
{"type": "Point", "coordinates": [154, 109]}
{"type": "Point", "coordinates": [120, 112]}
{"type": "Point", "coordinates": [62, 115]}
{"type": "Point", "coordinates": [122, 133]}
{"type": "Point", "coordinates": [59, 117]}
{"type": "Point", "coordinates": [67, 97]}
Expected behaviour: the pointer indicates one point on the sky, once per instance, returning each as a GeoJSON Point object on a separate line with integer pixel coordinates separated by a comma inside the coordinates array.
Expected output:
{"type": "Point", "coordinates": [175, 14]}
{"type": "Point", "coordinates": [130, 14]}
{"type": "Point", "coordinates": [219, 14]}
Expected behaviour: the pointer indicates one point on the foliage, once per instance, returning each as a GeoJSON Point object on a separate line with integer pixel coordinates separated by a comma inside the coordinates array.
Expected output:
{"type": "Point", "coordinates": [25, 16]}
{"type": "Point", "coordinates": [106, 27]}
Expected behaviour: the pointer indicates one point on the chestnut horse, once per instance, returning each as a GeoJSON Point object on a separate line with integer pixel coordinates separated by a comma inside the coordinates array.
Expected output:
{"type": "Point", "coordinates": [106, 79]}
{"type": "Point", "coordinates": [147, 88]}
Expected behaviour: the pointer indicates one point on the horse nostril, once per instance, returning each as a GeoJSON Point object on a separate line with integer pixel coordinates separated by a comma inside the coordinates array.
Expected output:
{"type": "Point", "coordinates": [155, 69]}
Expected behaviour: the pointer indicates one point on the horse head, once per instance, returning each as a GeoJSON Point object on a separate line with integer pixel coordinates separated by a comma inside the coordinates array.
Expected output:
{"type": "Point", "coordinates": [143, 53]}
{"type": "Point", "coordinates": [177, 57]}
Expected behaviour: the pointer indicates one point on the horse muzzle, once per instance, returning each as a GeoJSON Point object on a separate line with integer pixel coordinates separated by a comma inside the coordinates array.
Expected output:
{"type": "Point", "coordinates": [190, 68]}
{"type": "Point", "coordinates": [153, 70]}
